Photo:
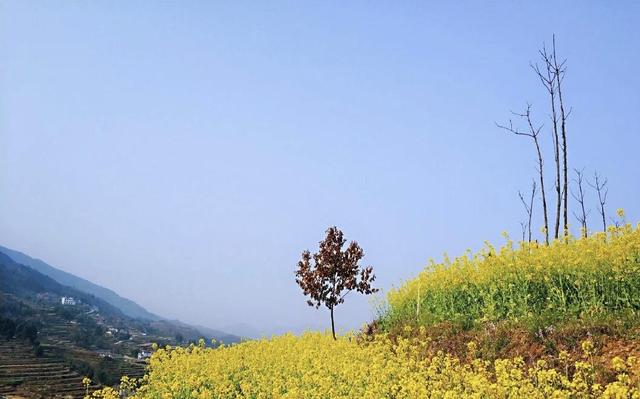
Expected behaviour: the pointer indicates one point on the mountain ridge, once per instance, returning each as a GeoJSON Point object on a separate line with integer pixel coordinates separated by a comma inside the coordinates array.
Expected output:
{"type": "Point", "coordinates": [19, 279]}
{"type": "Point", "coordinates": [126, 306]}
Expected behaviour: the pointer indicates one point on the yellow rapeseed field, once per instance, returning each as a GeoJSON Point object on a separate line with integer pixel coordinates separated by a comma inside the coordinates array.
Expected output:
{"type": "Point", "coordinates": [314, 366]}
{"type": "Point", "coordinates": [572, 277]}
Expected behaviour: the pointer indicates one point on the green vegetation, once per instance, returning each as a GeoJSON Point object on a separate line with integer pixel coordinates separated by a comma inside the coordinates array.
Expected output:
{"type": "Point", "coordinates": [587, 278]}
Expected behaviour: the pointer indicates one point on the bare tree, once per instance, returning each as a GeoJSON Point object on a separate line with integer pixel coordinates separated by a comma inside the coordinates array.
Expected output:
{"type": "Point", "coordinates": [559, 71]}
{"type": "Point", "coordinates": [533, 133]}
{"type": "Point", "coordinates": [333, 273]}
{"type": "Point", "coordinates": [600, 185]}
{"type": "Point", "coordinates": [528, 206]}
{"type": "Point", "coordinates": [579, 196]}
{"type": "Point", "coordinates": [548, 80]}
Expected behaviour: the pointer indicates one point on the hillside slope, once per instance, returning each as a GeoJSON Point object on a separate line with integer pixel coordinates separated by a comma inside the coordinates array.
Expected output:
{"type": "Point", "coordinates": [127, 306]}
{"type": "Point", "coordinates": [35, 276]}
{"type": "Point", "coordinates": [47, 347]}
{"type": "Point", "coordinates": [22, 281]}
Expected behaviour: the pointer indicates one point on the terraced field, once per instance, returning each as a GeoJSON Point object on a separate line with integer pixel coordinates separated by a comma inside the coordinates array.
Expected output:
{"type": "Point", "coordinates": [55, 328]}
{"type": "Point", "coordinates": [119, 366]}
{"type": "Point", "coordinates": [25, 375]}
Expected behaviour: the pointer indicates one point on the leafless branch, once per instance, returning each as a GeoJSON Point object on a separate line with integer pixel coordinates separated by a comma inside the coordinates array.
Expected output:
{"type": "Point", "coordinates": [528, 206]}
{"type": "Point", "coordinates": [533, 132]}
{"type": "Point", "coordinates": [600, 185]}
{"type": "Point", "coordinates": [579, 196]}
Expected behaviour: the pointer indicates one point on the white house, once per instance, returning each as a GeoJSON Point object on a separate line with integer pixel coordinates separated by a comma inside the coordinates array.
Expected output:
{"type": "Point", "coordinates": [68, 300]}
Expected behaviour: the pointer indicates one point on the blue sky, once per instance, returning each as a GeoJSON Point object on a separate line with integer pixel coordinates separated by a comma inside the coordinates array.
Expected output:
{"type": "Point", "coordinates": [185, 153]}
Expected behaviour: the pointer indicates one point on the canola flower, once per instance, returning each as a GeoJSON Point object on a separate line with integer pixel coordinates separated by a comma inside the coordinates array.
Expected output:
{"type": "Point", "coordinates": [314, 366]}
{"type": "Point", "coordinates": [570, 277]}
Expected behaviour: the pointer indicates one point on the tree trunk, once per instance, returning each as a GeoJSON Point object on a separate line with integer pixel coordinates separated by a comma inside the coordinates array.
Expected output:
{"type": "Point", "coordinates": [559, 73]}
{"type": "Point", "coordinates": [542, 189]}
{"type": "Point", "coordinates": [564, 161]}
{"type": "Point", "coordinates": [333, 325]}
{"type": "Point", "coordinates": [556, 145]}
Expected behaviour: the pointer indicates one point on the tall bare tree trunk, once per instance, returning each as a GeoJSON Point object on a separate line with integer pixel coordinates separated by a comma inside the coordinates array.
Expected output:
{"type": "Point", "coordinates": [558, 70]}
{"type": "Point", "coordinates": [564, 166]}
{"type": "Point", "coordinates": [548, 80]}
{"type": "Point", "coordinates": [556, 149]}
{"type": "Point", "coordinates": [544, 195]}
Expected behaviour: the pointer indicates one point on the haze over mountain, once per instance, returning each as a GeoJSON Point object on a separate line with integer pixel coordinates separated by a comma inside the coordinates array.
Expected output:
{"type": "Point", "coordinates": [18, 279]}
{"type": "Point", "coordinates": [127, 306]}
{"type": "Point", "coordinates": [21, 272]}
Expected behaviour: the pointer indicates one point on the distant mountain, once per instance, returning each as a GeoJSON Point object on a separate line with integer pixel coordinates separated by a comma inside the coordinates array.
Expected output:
{"type": "Point", "coordinates": [24, 274]}
{"type": "Point", "coordinates": [24, 281]}
{"type": "Point", "coordinates": [127, 306]}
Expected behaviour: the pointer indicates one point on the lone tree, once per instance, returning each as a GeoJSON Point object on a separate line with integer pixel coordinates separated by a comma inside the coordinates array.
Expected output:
{"type": "Point", "coordinates": [330, 274]}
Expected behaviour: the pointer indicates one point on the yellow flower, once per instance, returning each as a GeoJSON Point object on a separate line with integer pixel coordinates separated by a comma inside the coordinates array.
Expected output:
{"type": "Point", "coordinates": [316, 366]}
{"type": "Point", "coordinates": [587, 347]}
{"type": "Point", "coordinates": [618, 364]}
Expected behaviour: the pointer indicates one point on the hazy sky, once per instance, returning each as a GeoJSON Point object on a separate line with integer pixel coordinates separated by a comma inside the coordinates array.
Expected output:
{"type": "Point", "coordinates": [183, 154]}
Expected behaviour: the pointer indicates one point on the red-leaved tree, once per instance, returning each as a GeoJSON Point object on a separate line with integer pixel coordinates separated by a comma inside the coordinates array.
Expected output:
{"type": "Point", "coordinates": [330, 274]}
